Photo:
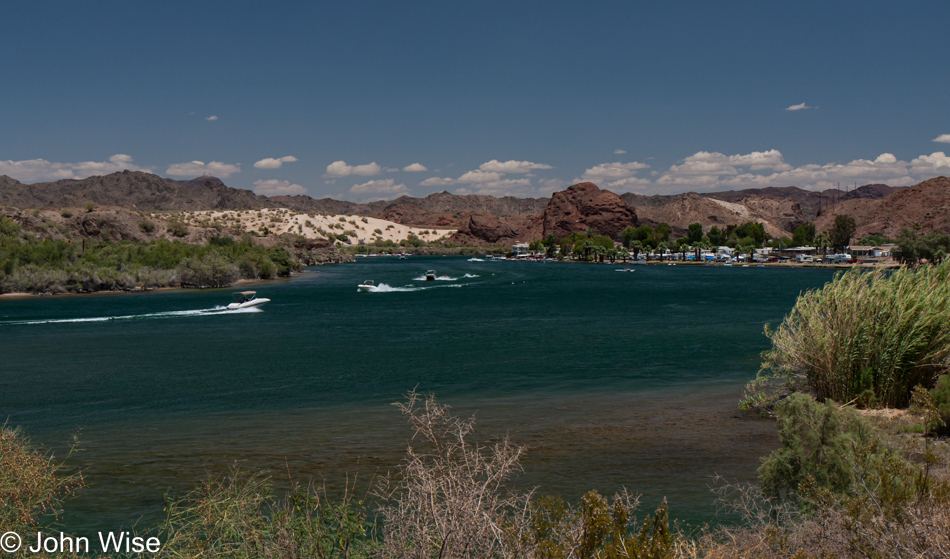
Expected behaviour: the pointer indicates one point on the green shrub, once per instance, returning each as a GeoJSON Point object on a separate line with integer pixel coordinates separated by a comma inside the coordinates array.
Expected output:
{"type": "Point", "coordinates": [91, 206]}
{"type": "Point", "coordinates": [66, 213]}
{"type": "Point", "coordinates": [211, 270]}
{"type": "Point", "coordinates": [8, 226]}
{"type": "Point", "coordinates": [866, 337]}
{"type": "Point", "coordinates": [177, 228]}
{"type": "Point", "coordinates": [818, 441]}
{"type": "Point", "coordinates": [941, 397]}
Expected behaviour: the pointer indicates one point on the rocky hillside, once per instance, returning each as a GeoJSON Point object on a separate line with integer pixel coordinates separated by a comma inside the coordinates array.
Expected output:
{"type": "Point", "coordinates": [926, 204]}
{"type": "Point", "coordinates": [488, 220]}
{"type": "Point", "coordinates": [130, 189]}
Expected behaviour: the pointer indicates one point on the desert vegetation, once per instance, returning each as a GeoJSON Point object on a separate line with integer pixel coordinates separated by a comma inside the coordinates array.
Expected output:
{"type": "Point", "coordinates": [32, 265]}
{"type": "Point", "coordinates": [839, 486]}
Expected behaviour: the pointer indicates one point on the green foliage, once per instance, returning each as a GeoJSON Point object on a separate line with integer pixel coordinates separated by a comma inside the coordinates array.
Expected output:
{"type": "Point", "coordinates": [91, 206]}
{"type": "Point", "coordinates": [239, 517]}
{"type": "Point", "coordinates": [753, 230]}
{"type": "Point", "coordinates": [715, 236]}
{"type": "Point", "coordinates": [211, 270]}
{"type": "Point", "coordinates": [804, 234]}
{"type": "Point", "coordinates": [695, 233]}
{"type": "Point", "coordinates": [875, 240]}
{"type": "Point", "coordinates": [32, 484]}
{"type": "Point", "coordinates": [817, 441]}
{"type": "Point", "coordinates": [941, 399]}
{"type": "Point", "coordinates": [913, 249]}
{"type": "Point", "coordinates": [66, 213]}
{"type": "Point", "coordinates": [866, 337]}
{"type": "Point", "coordinates": [177, 228]}
{"type": "Point", "coordinates": [146, 226]}
{"type": "Point", "coordinates": [661, 233]}
{"type": "Point", "coordinates": [842, 231]}
{"type": "Point", "coordinates": [8, 227]}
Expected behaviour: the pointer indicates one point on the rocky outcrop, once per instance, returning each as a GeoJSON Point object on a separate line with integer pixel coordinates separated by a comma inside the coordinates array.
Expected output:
{"type": "Point", "coordinates": [317, 252]}
{"type": "Point", "coordinates": [926, 204]}
{"type": "Point", "coordinates": [585, 206]}
{"type": "Point", "coordinates": [481, 228]}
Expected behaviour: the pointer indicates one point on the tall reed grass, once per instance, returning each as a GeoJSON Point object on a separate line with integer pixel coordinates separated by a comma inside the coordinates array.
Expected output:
{"type": "Point", "coordinates": [867, 337]}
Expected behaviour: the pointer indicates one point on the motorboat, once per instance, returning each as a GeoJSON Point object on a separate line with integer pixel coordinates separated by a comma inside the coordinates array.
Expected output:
{"type": "Point", "coordinates": [430, 275]}
{"type": "Point", "coordinates": [367, 286]}
{"type": "Point", "coordinates": [246, 299]}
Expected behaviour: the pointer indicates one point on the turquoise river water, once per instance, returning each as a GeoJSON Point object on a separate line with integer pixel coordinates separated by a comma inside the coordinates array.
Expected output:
{"type": "Point", "coordinates": [610, 378]}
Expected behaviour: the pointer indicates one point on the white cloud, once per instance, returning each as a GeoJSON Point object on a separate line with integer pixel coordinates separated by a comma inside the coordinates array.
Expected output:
{"type": "Point", "coordinates": [212, 117]}
{"type": "Point", "coordinates": [943, 139]}
{"type": "Point", "coordinates": [341, 169]}
{"type": "Point", "coordinates": [612, 171]}
{"type": "Point", "coordinates": [200, 168]}
{"type": "Point", "coordinates": [415, 168]}
{"type": "Point", "coordinates": [798, 107]}
{"type": "Point", "coordinates": [274, 187]}
{"type": "Point", "coordinates": [385, 187]}
{"type": "Point", "coordinates": [274, 163]}
{"type": "Point", "coordinates": [936, 163]}
{"type": "Point", "coordinates": [35, 170]}
{"type": "Point", "coordinates": [629, 184]}
{"type": "Point", "coordinates": [437, 181]}
{"type": "Point", "coordinates": [478, 176]}
{"type": "Point", "coordinates": [503, 187]}
{"type": "Point", "coordinates": [620, 151]}
{"type": "Point", "coordinates": [495, 166]}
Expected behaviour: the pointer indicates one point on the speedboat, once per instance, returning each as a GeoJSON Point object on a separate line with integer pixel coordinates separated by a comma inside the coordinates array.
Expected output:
{"type": "Point", "coordinates": [430, 275]}
{"type": "Point", "coordinates": [246, 299]}
{"type": "Point", "coordinates": [367, 286]}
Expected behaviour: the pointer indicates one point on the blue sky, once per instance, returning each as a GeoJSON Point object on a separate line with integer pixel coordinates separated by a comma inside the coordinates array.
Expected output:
{"type": "Point", "coordinates": [354, 99]}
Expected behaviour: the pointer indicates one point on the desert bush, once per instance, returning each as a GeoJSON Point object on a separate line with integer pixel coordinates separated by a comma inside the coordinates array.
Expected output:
{"type": "Point", "coordinates": [91, 206]}
{"type": "Point", "coordinates": [238, 516]}
{"type": "Point", "coordinates": [941, 399]}
{"type": "Point", "coordinates": [66, 213]}
{"type": "Point", "coordinates": [32, 484]}
{"type": "Point", "coordinates": [177, 228]}
{"type": "Point", "coordinates": [865, 337]}
{"type": "Point", "coordinates": [818, 443]}
{"type": "Point", "coordinates": [211, 270]}
{"type": "Point", "coordinates": [146, 226]}
{"type": "Point", "coordinates": [8, 226]}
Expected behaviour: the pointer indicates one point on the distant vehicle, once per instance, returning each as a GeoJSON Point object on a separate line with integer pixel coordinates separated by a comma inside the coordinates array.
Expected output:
{"type": "Point", "coordinates": [246, 299]}
{"type": "Point", "coordinates": [367, 286]}
{"type": "Point", "coordinates": [430, 275]}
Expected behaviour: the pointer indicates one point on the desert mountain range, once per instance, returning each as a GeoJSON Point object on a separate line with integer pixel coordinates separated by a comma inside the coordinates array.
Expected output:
{"type": "Point", "coordinates": [877, 208]}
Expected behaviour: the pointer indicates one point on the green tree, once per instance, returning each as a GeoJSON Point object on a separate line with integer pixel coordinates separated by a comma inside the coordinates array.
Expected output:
{"type": "Point", "coordinates": [804, 234]}
{"type": "Point", "coordinates": [842, 231]}
{"type": "Point", "coordinates": [715, 236]}
{"type": "Point", "coordinates": [822, 242]}
{"type": "Point", "coordinates": [695, 232]}
{"type": "Point", "coordinates": [661, 233]}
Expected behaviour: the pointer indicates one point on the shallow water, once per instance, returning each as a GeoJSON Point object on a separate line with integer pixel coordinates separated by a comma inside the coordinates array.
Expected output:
{"type": "Point", "coordinates": [610, 379]}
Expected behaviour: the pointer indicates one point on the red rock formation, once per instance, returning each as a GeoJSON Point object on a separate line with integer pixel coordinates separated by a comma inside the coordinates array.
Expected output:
{"type": "Point", "coordinates": [584, 206]}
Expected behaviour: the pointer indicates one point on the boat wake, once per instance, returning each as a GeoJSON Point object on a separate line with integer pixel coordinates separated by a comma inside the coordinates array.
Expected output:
{"type": "Point", "coordinates": [471, 276]}
{"type": "Point", "coordinates": [386, 288]}
{"type": "Point", "coordinates": [218, 310]}
{"type": "Point", "coordinates": [439, 278]}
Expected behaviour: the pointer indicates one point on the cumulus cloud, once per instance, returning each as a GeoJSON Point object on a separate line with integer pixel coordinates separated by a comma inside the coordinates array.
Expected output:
{"type": "Point", "coordinates": [341, 169]}
{"type": "Point", "coordinates": [212, 117]}
{"type": "Point", "coordinates": [415, 168]}
{"type": "Point", "coordinates": [274, 187]}
{"type": "Point", "coordinates": [612, 171]}
{"type": "Point", "coordinates": [274, 163]}
{"type": "Point", "coordinates": [35, 170]}
{"type": "Point", "coordinates": [798, 107]}
{"type": "Point", "coordinates": [495, 166]}
{"type": "Point", "coordinates": [200, 168]}
{"type": "Point", "coordinates": [943, 139]}
{"type": "Point", "coordinates": [437, 181]}
{"type": "Point", "coordinates": [382, 187]}
{"type": "Point", "coordinates": [620, 151]}
{"type": "Point", "coordinates": [712, 170]}
{"type": "Point", "coordinates": [502, 187]}
{"type": "Point", "coordinates": [936, 163]}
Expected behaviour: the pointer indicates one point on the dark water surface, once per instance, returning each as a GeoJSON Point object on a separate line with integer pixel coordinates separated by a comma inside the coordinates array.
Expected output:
{"type": "Point", "coordinates": [611, 378]}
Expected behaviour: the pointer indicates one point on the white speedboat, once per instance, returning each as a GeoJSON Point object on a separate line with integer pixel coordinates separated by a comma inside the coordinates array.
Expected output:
{"type": "Point", "coordinates": [430, 275]}
{"type": "Point", "coordinates": [367, 286]}
{"type": "Point", "coordinates": [246, 299]}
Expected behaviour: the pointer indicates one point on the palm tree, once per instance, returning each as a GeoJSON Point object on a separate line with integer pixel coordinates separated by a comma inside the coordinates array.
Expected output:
{"type": "Point", "coordinates": [822, 242]}
{"type": "Point", "coordinates": [636, 247]}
